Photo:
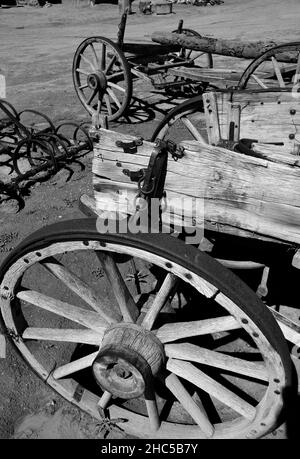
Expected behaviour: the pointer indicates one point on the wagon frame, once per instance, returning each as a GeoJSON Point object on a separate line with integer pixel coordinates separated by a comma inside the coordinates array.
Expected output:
{"type": "Point", "coordinates": [103, 70]}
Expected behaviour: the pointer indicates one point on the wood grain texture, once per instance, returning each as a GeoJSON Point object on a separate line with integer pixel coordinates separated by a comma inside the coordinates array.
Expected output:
{"type": "Point", "coordinates": [234, 193]}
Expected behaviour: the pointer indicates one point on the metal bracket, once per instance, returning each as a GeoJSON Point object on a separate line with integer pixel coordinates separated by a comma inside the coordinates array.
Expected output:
{"type": "Point", "coordinates": [13, 335]}
{"type": "Point", "coordinates": [135, 176]}
{"type": "Point", "coordinates": [77, 396]}
{"type": "Point", "coordinates": [131, 146]}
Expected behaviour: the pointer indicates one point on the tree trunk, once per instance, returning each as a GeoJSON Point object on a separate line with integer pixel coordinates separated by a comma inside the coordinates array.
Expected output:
{"type": "Point", "coordinates": [234, 48]}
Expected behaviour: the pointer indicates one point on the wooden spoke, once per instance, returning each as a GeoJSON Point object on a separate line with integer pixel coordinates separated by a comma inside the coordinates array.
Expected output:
{"type": "Point", "coordinates": [116, 86]}
{"type": "Point", "coordinates": [81, 288]}
{"type": "Point", "coordinates": [124, 299]}
{"type": "Point", "coordinates": [197, 56]}
{"type": "Point", "coordinates": [104, 400]}
{"type": "Point", "coordinates": [115, 75]}
{"type": "Point", "coordinates": [297, 72]}
{"type": "Point", "coordinates": [186, 351]}
{"type": "Point", "coordinates": [289, 328]}
{"type": "Point", "coordinates": [191, 128]}
{"type": "Point", "coordinates": [258, 81]}
{"type": "Point", "coordinates": [64, 335]}
{"type": "Point", "coordinates": [97, 65]}
{"type": "Point", "coordinates": [108, 104]}
{"type": "Point", "coordinates": [73, 367]}
{"type": "Point", "coordinates": [114, 97]}
{"type": "Point", "coordinates": [160, 299]}
{"type": "Point", "coordinates": [103, 57]}
{"type": "Point", "coordinates": [163, 131]}
{"type": "Point", "coordinates": [87, 61]}
{"type": "Point", "coordinates": [278, 72]}
{"type": "Point", "coordinates": [189, 404]}
{"type": "Point", "coordinates": [179, 330]}
{"type": "Point", "coordinates": [153, 414]}
{"type": "Point", "coordinates": [99, 104]}
{"type": "Point", "coordinates": [84, 72]}
{"type": "Point", "coordinates": [110, 64]}
{"type": "Point", "coordinates": [91, 97]}
{"type": "Point", "coordinates": [82, 316]}
{"type": "Point", "coordinates": [192, 374]}
{"type": "Point", "coordinates": [83, 86]}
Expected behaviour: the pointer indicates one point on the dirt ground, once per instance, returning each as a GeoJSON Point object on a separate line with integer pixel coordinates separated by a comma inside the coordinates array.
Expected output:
{"type": "Point", "coordinates": [37, 48]}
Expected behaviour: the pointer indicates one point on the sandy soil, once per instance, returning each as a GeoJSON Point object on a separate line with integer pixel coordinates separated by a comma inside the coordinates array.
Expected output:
{"type": "Point", "coordinates": [37, 48]}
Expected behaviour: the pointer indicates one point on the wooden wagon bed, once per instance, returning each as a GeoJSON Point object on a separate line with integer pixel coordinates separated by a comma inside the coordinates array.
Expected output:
{"type": "Point", "coordinates": [235, 193]}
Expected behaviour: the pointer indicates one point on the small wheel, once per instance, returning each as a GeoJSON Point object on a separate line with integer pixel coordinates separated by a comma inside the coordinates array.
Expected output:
{"type": "Point", "coordinates": [277, 68]}
{"type": "Point", "coordinates": [212, 365]}
{"type": "Point", "coordinates": [198, 59]}
{"type": "Point", "coordinates": [31, 153]}
{"type": "Point", "coordinates": [102, 77]}
{"type": "Point", "coordinates": [184, 122]}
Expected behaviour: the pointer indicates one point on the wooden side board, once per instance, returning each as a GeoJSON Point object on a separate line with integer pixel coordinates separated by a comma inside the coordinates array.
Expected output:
{"type": "Point", "coordinates": [232, 192]}
{"type": "Point", "coordinates": [265, 116]}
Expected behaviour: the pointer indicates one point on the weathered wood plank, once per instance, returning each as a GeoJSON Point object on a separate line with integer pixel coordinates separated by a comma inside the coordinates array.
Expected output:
{"type": "Point", "coordinates": [238, 191]}
{"type": "Point", "coordinates": [267, 117]}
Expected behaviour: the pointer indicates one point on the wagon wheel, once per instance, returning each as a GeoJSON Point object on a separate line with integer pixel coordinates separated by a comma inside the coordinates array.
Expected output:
{"type": "Point", "coordinates": [213, 365]}
{"type": "Point", "coordinates": [198, 59]}
{"type": "Point", "coordinates": [33, 152]}
{"type": "Point", "coordinates": [184, 122]}
{"type": "Point", "coordinates": [102, 77]}
{"type": "Point", "coordinates": [277, 68]}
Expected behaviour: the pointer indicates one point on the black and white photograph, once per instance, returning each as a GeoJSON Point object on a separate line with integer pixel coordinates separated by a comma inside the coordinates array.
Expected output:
{"type": "Point", "coordinates": [149, 223]}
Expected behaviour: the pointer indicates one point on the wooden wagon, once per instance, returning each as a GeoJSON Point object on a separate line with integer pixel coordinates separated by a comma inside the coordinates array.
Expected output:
{"type": "Point", "coordinates": [180, 62]}
{"type": "Point", "coordinates": [143, 329]}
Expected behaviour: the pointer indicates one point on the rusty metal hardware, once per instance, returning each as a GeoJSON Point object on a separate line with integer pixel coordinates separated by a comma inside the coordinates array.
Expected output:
{"type": "Point", "coordinates": [135, 176]}
{"type": "Point", "coordinates": [131, 146]}
{"type": "Point", "coordinates": [50, 147]}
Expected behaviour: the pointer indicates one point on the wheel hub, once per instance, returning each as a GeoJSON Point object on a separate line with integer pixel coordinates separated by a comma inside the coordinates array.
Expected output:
{"type": "Point", "coordinates": [128, 359]}
{"type": "Point", "coordinates": [97, 81]}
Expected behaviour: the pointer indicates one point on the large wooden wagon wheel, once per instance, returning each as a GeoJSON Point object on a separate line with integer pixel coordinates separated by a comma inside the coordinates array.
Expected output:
{"type": "Point", "coordinates": [278, 67]}
{"type": "Point", "coordinates": [102, 77]}
{"type": "Point", "coordinates": [184, 122]}
{"type": "Point", "coordinates": [208, 363]}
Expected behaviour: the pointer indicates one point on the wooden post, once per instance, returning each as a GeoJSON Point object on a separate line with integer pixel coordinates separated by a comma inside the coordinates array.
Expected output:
{"type": "Point", "coordinates": [124, 6]}
{"type": "Point", "coordinates": [2, 87]}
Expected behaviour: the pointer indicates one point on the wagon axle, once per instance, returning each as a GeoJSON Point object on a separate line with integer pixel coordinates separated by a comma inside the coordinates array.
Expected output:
{"type": "Point", "coordinates": [97, 81]}
{"type": "Point", "coordinates": [128, 359]}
